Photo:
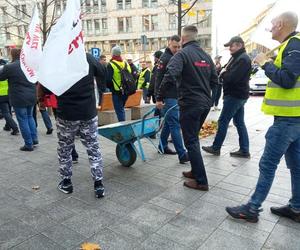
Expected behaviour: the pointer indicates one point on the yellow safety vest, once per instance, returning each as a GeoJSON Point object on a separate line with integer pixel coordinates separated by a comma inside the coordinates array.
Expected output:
{"type": "Point", "coordinates": [3, 88]}
{"type": "Point", "coordinates": [117, 75]}
{"type": "Point", "coordinates": [279, 101]}
{"type": "Point", "coordinates": [141, 80]}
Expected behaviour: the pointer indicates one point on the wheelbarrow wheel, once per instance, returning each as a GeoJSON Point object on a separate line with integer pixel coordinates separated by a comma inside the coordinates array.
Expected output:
{"type": "Point", "coordinates": [126, 154]}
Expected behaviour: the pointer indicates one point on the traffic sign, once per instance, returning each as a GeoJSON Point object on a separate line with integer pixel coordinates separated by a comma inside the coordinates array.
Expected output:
{"type": "Point", "coordinates": [96, 52]}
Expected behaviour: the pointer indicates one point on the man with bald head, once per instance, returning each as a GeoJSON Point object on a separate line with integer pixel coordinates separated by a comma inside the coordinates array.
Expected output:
{"type": "Point", "coordinates": [282, 100]}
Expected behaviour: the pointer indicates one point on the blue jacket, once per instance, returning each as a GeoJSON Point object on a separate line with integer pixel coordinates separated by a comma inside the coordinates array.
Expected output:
{"type": "Point", "coordinates": [286, 77]}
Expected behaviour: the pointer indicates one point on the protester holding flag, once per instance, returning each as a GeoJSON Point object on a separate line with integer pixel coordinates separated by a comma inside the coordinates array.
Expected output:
{"type": "Point", "coordinates": [22, 97]}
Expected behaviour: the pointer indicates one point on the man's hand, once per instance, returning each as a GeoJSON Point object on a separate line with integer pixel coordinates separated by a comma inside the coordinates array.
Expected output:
{"type": "Point", "coordinates": [261, 59]}
{"type": "Point", "coordinates": [159, 104]}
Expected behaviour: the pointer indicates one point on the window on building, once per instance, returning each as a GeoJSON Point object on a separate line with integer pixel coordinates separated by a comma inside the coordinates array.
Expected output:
{"type": "Point", "coordinates": [96, 6]}
{"type": "Point", "coordinates": [146, 23]}
{"type": "Point", "coordinates": [153, 3]}
{"type": "Point", "coordinates": [24, 10]}
{"type": "Point", "coordinates": [103, 5]}
{"type": "Point", "coordinates": [97, 26]}
{"type": "Point", "coordinates": [128, 24]}
{"type": "Point", "coordinates": [104, 24]}
{"type": "Point", "coordinates": [127, 4]}
{"type": "Point", "coordinates": [154, 22]}
{"type": "Point", "coordinates": [119, 4]}
{"type": "Point", "coordinates": [7, 34]}
{"type": "Point", "coordinates": [172, 21]}
{"type": "Point", "coordinates": [88, 6]}
{"type": "Point", "coordinates": [58, 9]}
{"type": "Point", "coordinates": [89, 27]}
{"type": "Point", "coordinates": [120, 24]}
{"type": "Point", "coordinates": [145, 4]}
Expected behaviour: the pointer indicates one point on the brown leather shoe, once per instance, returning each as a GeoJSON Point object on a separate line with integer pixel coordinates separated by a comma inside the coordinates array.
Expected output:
{"type": "Point", "coordinates": [194, 185]}
{"type": "Point", "coordinates": [188, 174]}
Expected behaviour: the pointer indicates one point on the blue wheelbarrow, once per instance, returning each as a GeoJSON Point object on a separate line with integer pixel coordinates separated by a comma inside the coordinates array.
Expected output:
{"type": "Point", "coordinates": [127, 133]}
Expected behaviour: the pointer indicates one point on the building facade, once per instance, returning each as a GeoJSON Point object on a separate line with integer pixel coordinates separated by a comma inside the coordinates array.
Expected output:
{"type": "Point", "coordinates": [110, 22]}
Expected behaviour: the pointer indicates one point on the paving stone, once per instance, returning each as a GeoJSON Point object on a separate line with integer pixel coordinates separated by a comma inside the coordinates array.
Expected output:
{"type": "Point", "coordinates": [64, 236]}
{"type": "Point", "coordinates": [241, 180]}
{"type": "Point", "coordinates": [151, 216]}
{"type": "Point", "coordinates": [109, 240]}
{"type": "Point", "coordinates": [90, 222]}
{"type": "Point", "coordinates": [181, 194]}
{"type": "Point", "coordinates": [57, 212]}
{"type": "Point", "coordinates": [224, 240]}
{"type": "Point", "coordinates": [73, 204]}
{"type": "Point", "coordinates": [13, 233]}
{"type": "Point", "coordinates": [244, 229]}
{"type": "Point", "coordinates": [38, 242]}
{"type": "Point", "coordinates": [167, 204]}
{"type": "Point", "coordinates": [283, 237]}
{"type": "Point", "coordinates": [37, 220]}
{"type": "Point", "coordinates": [234, 188]}
{"type": "Point", "coordinates": [186, 231]}
{"type": "Point", "coordinates": [158, 242]}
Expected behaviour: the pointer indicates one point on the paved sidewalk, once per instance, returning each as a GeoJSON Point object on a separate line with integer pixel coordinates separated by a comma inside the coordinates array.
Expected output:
{"type": "Point", "coordinates": [146, 205]}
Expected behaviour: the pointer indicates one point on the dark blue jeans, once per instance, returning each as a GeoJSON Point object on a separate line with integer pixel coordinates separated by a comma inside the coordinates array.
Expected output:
{"type": "Point", "coordinates": [172, 126]}
{"type": "Point", "coordinates": [26, 124]}
{"type": "Point", "coordinates": [232, 108]}
{"type": "Point", "coordinates": [191, 121]}
{"type": "Point", "coordinates": [119, 105]}
{"type": "Point", "coordinates": [282, 138]}
{"type": "Point", "coordinates": [4, 107]}
{"type": "Point", "coordinates": [46, 118]}
{"type": "Point", "coordinates": [216, 94]}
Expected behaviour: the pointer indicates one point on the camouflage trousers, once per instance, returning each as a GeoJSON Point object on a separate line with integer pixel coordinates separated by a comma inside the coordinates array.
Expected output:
{"type": "Point", "coordinates": [87, 130]}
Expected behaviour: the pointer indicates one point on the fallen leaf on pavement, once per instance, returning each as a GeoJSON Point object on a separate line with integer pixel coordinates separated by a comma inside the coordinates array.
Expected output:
{"type": "Point", "coordinates": [35, 187]}
{"type": "Point", "coordinates": [90, 246]}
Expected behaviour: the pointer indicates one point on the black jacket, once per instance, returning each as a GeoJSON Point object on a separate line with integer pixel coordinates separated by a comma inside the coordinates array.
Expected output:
{"type": "Point", "coordinates": [198, 75]}
{"type": "Point", "coordinates": [21, 92]}
{"type": "Point", "coordinates": [236, 77]}
{"type": "Point", "coordinates": [171, 91]}
{"type": "Point", "coordinates": [151, 88]}
{"type": "Point", "coordinates": [79, 102]}
{"type": "Point", "coordinates": [134, 71]}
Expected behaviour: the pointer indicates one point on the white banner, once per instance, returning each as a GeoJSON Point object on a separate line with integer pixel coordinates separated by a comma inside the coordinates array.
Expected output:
{"type": "Point", "coordinates": [32, 49]}
{"type": "Point", "coordinates": [262, 35]}
{"type": "Point", "coordinates": [64, 59]}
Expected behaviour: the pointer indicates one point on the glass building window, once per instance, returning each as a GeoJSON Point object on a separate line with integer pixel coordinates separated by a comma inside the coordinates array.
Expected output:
{"type": "Point", "coordinates": [146, 23]}
{"type": "Point", "coordinates": [120, 24]}
{"type": "Point", "coordinates": [119, 4]}
{"type": "Point", "coordinates": [97, 26]}
{"type": "Point", "coordinates": [154, 22]}
{"type": "Point", "coordinates": [172, 21]}
{"type": "Point", "coordinates": [103, 5]}
{"type": "Point", "coordinates": [127, 4]}
{"type": "Point", "coordinates": [128, 24]}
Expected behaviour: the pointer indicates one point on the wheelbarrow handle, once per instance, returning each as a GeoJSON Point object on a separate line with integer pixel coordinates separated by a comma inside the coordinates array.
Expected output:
{"type": "Point", "coordinates": [144, 118]}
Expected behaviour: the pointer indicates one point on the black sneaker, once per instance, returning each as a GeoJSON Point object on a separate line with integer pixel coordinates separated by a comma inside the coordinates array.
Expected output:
{"type": "Point", "coordinates": [286, 211]}
{"type": "Point", "coordinates": [240, 154]}
{"type": "Point", "coordinates": [6, 128]}
{"type": "Point", "coordinates": [65, 186]}
{"type": "Point", "coordinates": [15, 132]}
{"type": "Point", "coordinates": [243, 212]}
{"type": "Point", "coordinates": [35, 143]}
{"type": "Point", "coordinates": [26, 148]}
{"type": "Point", "coordinates": [211, 150]}
{"type": "Point", "coordinates": [99, 189]}
{"type": "Point", "coordinates": [167, 151]}
{"type": "Point", "coordinates": [49, 131]}
{"type": "Point", "coordinates": [184, 159]}
{"type": "Point", "coordinates": [74, 160]}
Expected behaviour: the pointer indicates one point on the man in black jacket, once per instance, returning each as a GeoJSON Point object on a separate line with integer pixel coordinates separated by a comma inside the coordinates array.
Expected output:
{"type": "Point", "coordinates": [235, 76]}
{"type": "Point", "coordinates": [76, 113]}
{"type": "Point", "coordinates": [169, 99]}
{"type": "Point", "coordinates": [194, 73]}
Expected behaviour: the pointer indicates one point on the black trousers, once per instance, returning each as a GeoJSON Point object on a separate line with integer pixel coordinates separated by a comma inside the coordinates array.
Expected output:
{"type": "Point", "coordinates": [191, 121]}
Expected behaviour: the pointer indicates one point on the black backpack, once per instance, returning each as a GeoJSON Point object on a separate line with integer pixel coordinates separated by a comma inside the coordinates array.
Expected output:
{"type": "Point", "coordinates": [128, 86]}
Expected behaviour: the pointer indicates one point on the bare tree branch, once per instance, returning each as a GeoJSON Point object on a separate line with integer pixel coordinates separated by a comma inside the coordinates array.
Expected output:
{"type": "Point", "coordinates": [187, 10]}
{"type": "Point", "coordinates": [18, 9]}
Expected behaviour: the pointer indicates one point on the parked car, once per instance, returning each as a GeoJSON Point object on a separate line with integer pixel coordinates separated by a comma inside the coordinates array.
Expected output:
{"type": "Point", "coordinates": [258, 82]}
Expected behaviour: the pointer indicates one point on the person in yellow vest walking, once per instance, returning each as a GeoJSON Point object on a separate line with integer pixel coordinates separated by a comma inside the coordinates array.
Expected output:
{"type": "Point", "coordinates": [113, 81]}
{"type": "Point", "coordinates": [4, 107]}
{"type": "Point", "coordinates": [282, 100]}
{"type": "Point", "coordinates": [144, 80]}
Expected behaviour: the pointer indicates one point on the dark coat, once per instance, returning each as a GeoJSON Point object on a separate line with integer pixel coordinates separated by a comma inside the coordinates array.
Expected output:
{"type": "Point", "coordinates": [79, 102]}
{"type": "Point", "coordinates": [194, 72]}
{"type": "Point", "coordinates": [21, 92]}
{"type": "Point", "coordinates": [237, 75]}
